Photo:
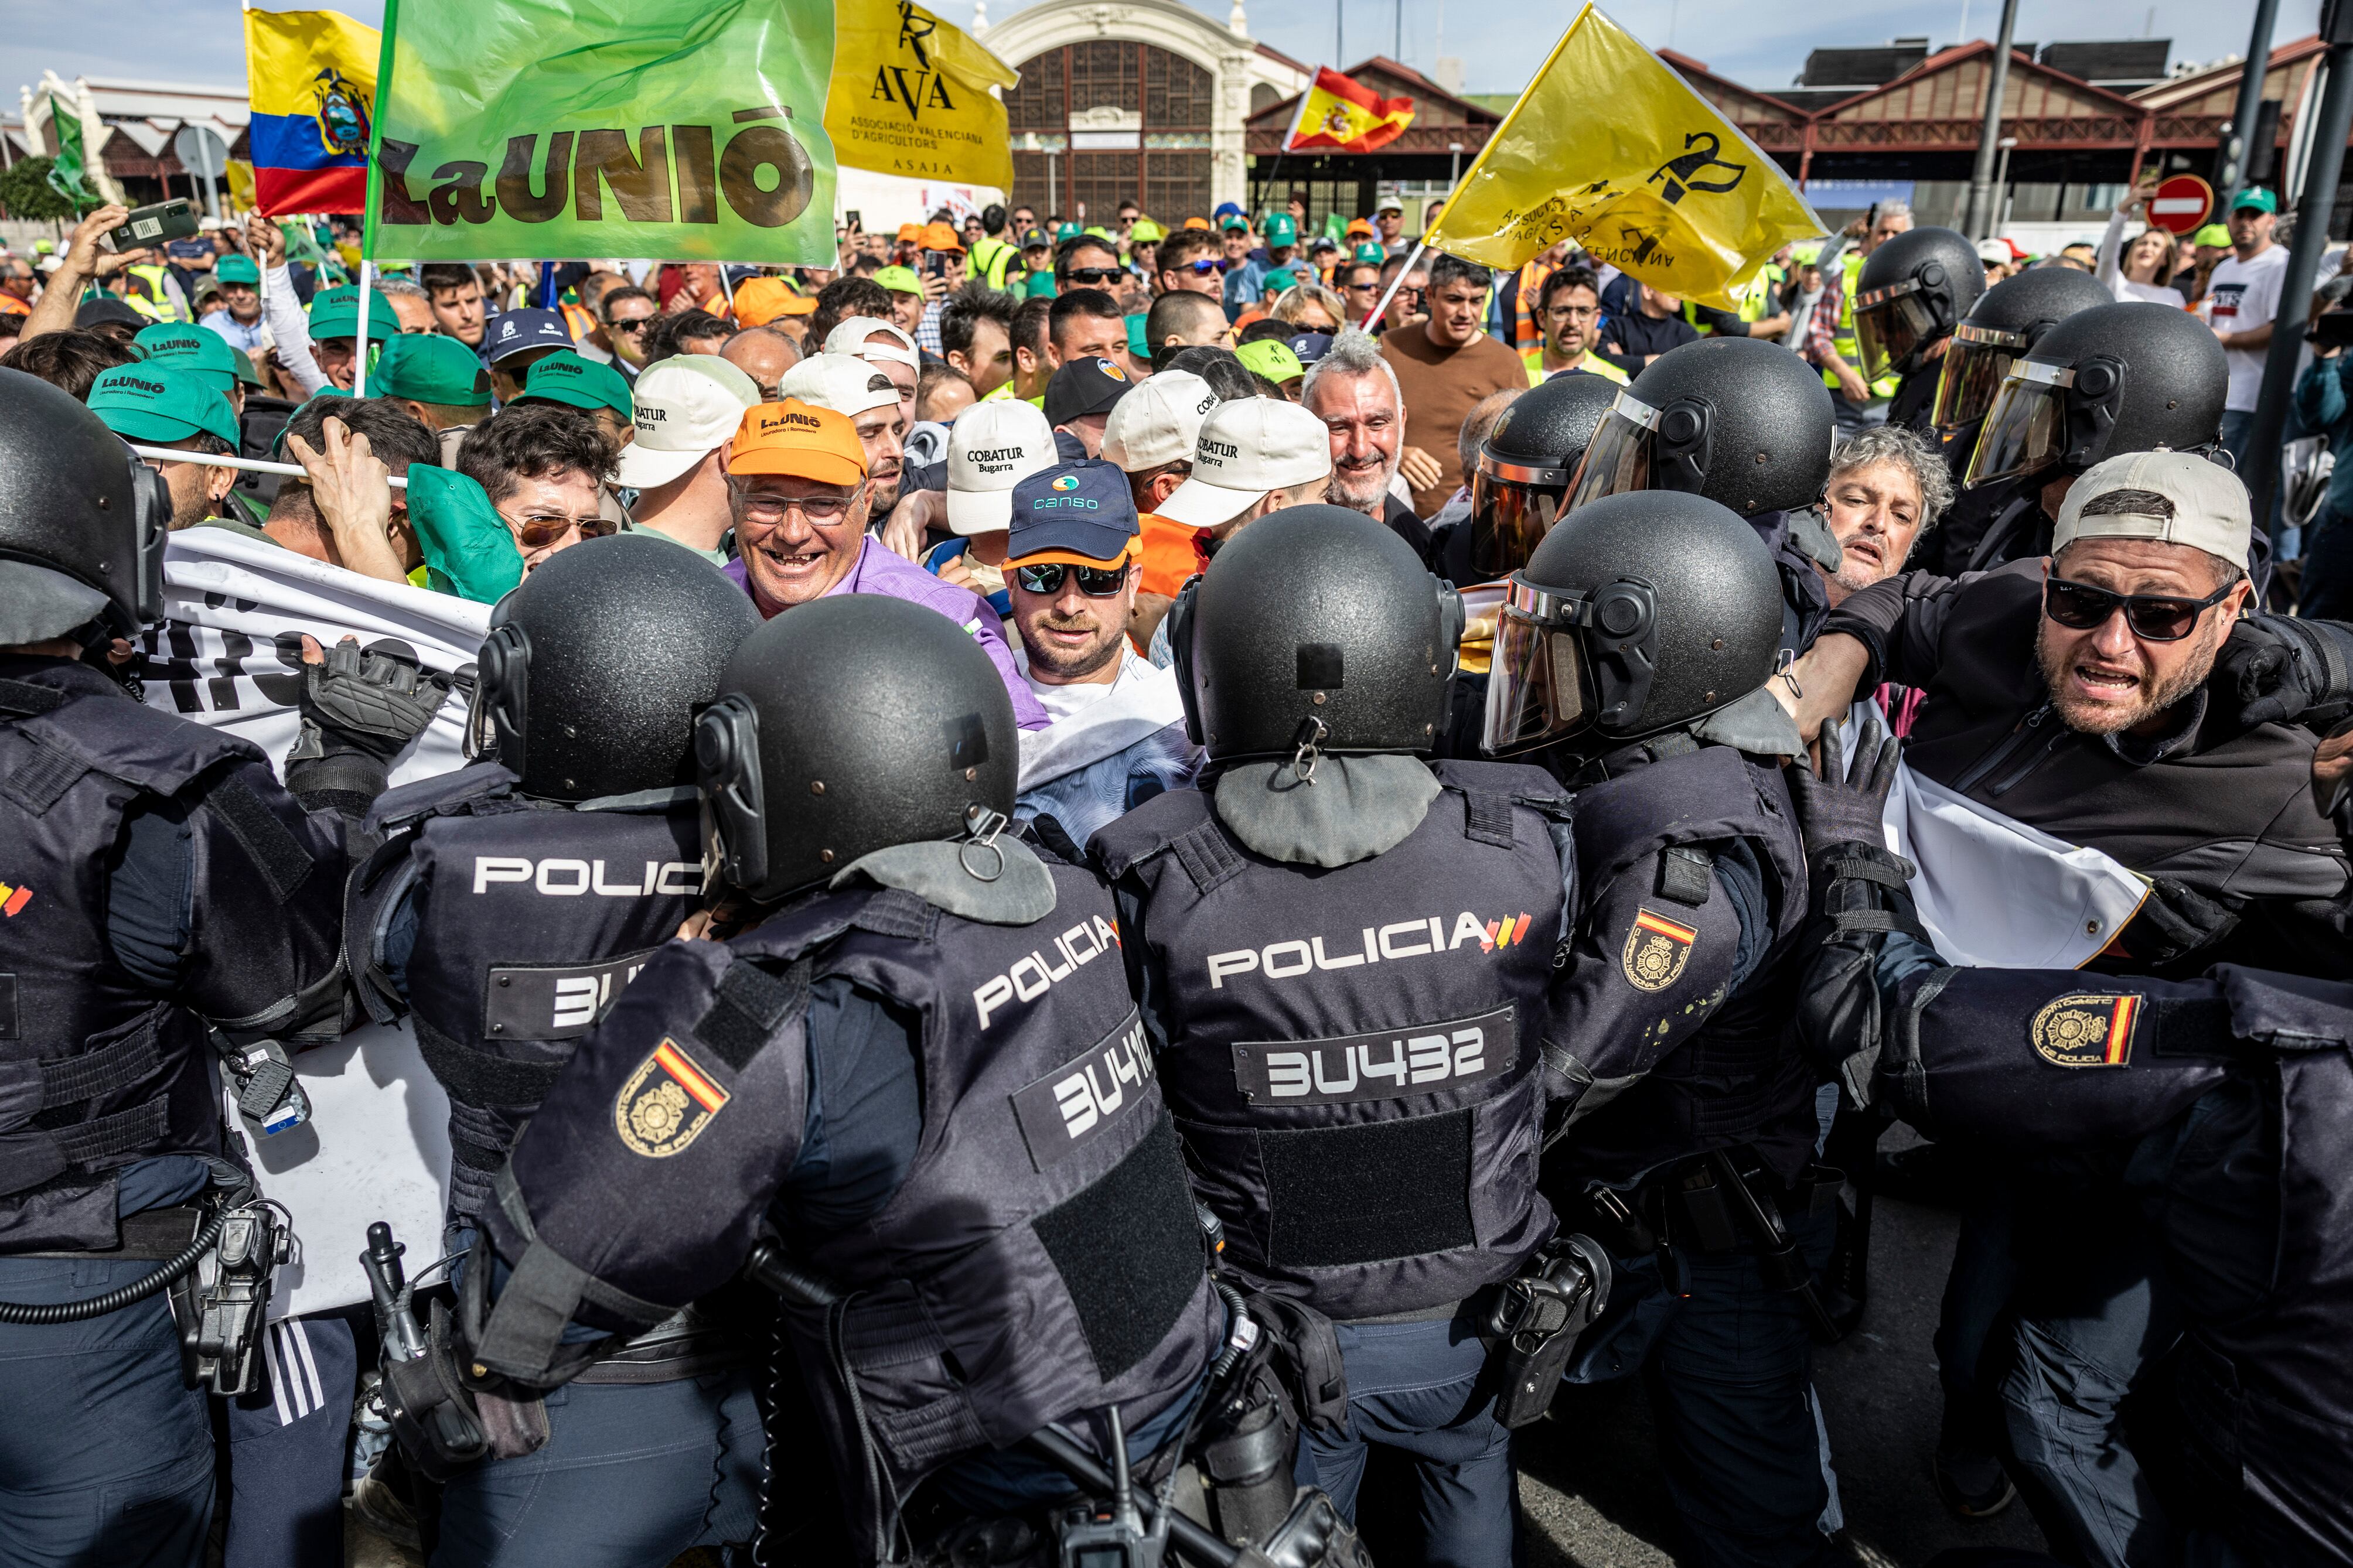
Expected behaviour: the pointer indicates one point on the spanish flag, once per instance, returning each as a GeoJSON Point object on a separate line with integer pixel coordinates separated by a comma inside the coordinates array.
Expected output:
{"type": "Point", "coordinates": [1340, 115]}
{"type": "Point", "coordinates": [311, 76]}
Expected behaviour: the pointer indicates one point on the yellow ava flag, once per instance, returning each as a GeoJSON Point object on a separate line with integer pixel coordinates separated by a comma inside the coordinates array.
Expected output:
{"type": "Point", "coordinates": [910, 96]}
{"type": "Point", "coordinates": [1610, 147]}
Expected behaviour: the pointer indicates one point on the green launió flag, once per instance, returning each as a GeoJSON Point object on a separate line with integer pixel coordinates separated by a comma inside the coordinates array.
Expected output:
{"type": "Point", "coordinates": [68, 171]}
{"type": "Point", "coordinates": [684, 130]}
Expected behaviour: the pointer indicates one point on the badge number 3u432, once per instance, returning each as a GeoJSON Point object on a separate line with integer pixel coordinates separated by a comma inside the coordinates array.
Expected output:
{"type": "Point", "coordinates": [1656, 951]}
{"type": "Point", "coordinates": [666, 1103]}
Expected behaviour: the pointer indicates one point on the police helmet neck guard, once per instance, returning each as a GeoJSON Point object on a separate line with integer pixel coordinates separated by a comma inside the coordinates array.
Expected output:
{"type": "Point", "coordinates": [1740, 421]}
{"type": "Point", "coordinates": [2104, 382]}
{"type": "Point", "coordinates": [1314, 626]}
{"type": "Point", "coordinates": [806, 763]}
{"type": "Point", "coordinates": [83, 514]}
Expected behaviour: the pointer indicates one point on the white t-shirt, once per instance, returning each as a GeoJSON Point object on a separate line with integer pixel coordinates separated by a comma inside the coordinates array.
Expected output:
{"type": "Point", "coordinates": [2245, 295]}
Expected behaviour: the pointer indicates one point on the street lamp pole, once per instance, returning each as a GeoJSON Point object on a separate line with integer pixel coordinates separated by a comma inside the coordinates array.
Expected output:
{"type": "Point", "coordinates": [1980, 217]}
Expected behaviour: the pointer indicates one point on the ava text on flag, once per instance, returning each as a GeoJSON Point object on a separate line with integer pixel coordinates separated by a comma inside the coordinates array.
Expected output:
{"type": "Point", "coordinates": [910, 96]}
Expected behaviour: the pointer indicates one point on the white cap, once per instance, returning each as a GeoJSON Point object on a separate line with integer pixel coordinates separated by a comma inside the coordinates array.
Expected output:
{"type": "Point", "coordinates": [850, 338]}
{"type": "Point", "coordinates": [849, 387]}
{"type": "Point", "coordinates": [992, 448]}
{"type": "Point", "coordinates": [1995, 252]}
{"type": "Point", "coordinates": [1158, 421]}
{"type": "Point", "coordinates": [1246, 448]}
{"type": "Point", "coordinates": [687, 405]}
{"type": "Point", "coordinates": [2210, 505]}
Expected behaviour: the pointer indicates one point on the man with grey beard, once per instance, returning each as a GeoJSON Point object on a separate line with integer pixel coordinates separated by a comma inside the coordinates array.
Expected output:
{"type": "Point", "coordinates": [1353, 390]}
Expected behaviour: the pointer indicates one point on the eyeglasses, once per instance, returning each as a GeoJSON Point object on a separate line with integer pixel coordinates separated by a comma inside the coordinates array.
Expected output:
{"type": "Point", "coordinates": [1094, 582]}
{"type": "Point", "coordinates": [1576, 312]}
{"type": "Point", "coordinates": [541, 528]}
{"type": "Point", "coordinates": [766, 510]}
{"type": "Point", "coordinates": [1093, 276]}
{"type": "Point", "coordinates": [637, 325]}
{"type": "Point", "coordinates": [1201, 268]}
{"type": "Point", "coordinates": [2157, 617]}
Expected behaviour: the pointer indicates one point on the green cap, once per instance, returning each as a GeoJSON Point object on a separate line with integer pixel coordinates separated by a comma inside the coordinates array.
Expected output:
{"type": "Point", "coordinates": [566, 377]}
{"type": "Point", "coordinates": [1139, 341]}
{"type": "Point", "coordinates": [2255, 196]}
{"type": "Point", "coordinates": [1280, 231]}
{"type": "Point", "coordinates": [340, 294]}
{"type": "Point", "coordinates": [161, 403]}
{"type": "Point", "coordinates": [238, 269]}
{"type": "Point", "coordinates": [1279, 280]}
{"type": "Point", "coordinates": [1041, 286]}
{"type": "Point", "coordinates": [900, 280]}
{"type": "Point", "coordinates": [1371, 250]}
{"type": "Point", "coordinates": [199, 350]}
{"type": "Point", "coordinates": [2214, 235]}
{"type": "Point", "coordinates": [1271, 360]}
{"type": "Point", "coordinates": [341, 318]}
{"type": "Point", "coordinates": [1068, 231]}
{"type": "Point", "coordinates": [246, 373]}
{"type": "Point", "coordinates": [429, 368]}
{"type": "Point", "coordinates": [1236, 220]}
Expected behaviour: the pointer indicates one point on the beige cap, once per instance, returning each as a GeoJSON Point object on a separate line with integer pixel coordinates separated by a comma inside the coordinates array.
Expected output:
{"type": "Point", "coordinates": [2211, 510]}
{"type": "Point", "coordinates": [850, 338]}
{"type": "Point", "coordinates": [1158, 421]}
{"type": "Point", "coordinates": [1246, 448]}
{"type": "Point", "coordinates": [839, 381]}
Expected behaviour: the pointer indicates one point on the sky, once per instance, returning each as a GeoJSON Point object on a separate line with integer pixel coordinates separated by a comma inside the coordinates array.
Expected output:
{"type": "Point", "coordinates": [1762, 43]}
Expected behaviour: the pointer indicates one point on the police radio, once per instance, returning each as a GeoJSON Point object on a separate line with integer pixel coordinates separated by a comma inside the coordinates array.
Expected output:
{"type": "Point", "coordinates": [1112, 1534]}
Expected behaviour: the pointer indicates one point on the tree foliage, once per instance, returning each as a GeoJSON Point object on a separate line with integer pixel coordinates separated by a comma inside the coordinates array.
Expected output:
{"type": "Point", "coordinates": [24, 191]}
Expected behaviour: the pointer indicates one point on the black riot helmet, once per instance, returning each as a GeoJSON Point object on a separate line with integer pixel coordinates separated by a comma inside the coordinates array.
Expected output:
{"type": "Point", "coordinates": [587, 684]}
{"type": "Point", "coordinates": [1637, 614]}
{"type": "Point", "coordinates": [2007, 321]}
{"type": "Point", "coordinates": [1524, 467]}
{"type": "Point", "coordinates": [1742, 421]}
{"type": "Point", "coordinates": [845, 725]}
{"type": "Point", "coordinates": [82, 520]}
{"type": "Point", "coordinates": [1316, 627]}
{"type": "Point", "coordinates": [1914, 289]}
{"type": "Point", "coordinates": [2104, 382]}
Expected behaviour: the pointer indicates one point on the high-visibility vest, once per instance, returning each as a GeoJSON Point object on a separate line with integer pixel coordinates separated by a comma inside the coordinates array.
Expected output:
{"type": "Point", "coordinates": [1752, 306]}
{"type": "Point", "coordinates": [579, 318]}
{"type": "Point", "coordinates": [991, 258]}
{"type": "Point", "coordinates": [158, 303]}
{"type": "Point", "coordinates": [1843, 340]}
{"type": "Point", "coordinates": [1527, 323]}
{"type": "Point", "coordinates": [1594, 366]}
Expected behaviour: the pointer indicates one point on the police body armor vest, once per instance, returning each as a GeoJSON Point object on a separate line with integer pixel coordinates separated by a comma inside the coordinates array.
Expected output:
{"type": "Point", "coordinates": [1041, 1260]}
{"type": "Point", "coordinates": [1352, 1052]}
{"type": "Point", "coordinates": [96, 1070]}
{"type": "Point", "coordinates": [532, 917]}
{"type": "Point", "coordinates": [1740, 1079]}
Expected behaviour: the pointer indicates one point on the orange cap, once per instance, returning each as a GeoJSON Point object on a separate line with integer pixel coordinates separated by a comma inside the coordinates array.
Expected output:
{"type": "Point", "coordinates": [942, 236]}
{"type": "Point", "coordinates": [909, 233]}
{"type": "Point", "coordinates": [800, 441]}
{"type": "Point", "coordinates": [1360, 225]}
{"type": "Point", "coordinates": [1196, 223]}
{"type": "Point", "coordinates": [760, 300]}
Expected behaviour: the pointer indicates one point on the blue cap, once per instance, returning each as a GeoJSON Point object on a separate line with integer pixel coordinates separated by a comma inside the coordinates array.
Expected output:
{"type": "Point", "coordinates": [1079, 513]}
{"type": "Point", "coordinates": [1311, 346]}
{"type": "Point", "coordinates": [1228, 209]}
{"type": "Point", "coordinates": [513, 332]}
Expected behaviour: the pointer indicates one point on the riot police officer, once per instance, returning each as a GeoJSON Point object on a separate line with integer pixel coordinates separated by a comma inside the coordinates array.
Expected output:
{"type": "Point", "coordinates": [1744, 422]}
{"type": "Point", "coordinates": [1635, 644]}
{"type": "Point", "coordinates": [914, 1093]}
{"type": "Point", "coordinates": [511, 901]}
{"type": "Point", "coordinates": [1912, 292]}
{"type": "Point", "coordinates": [2228, 1096]}
{"type": "Point", "coordinates": [172, 918]}
{"type": "Point", "coordinates": [1525, 469]}
{"type": "Point", "coordinates": [1344, 956]}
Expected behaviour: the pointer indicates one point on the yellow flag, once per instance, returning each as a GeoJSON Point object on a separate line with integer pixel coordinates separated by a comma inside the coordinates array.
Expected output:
{"type": "Point", "coordinates": [910, 96]}
{"type": "Point", "coordinates": [240, 184]}
{"type": "Point", "coordinates": [1610, 147]}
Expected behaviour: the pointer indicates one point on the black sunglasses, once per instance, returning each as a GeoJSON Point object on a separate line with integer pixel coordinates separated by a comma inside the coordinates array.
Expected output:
{"type": "Point", "coordinates": [2157, 617]}
{"type": "Point", "coordinates": [1094, 582]}
{"type": "Point", "coordinates": [638, 325]}
{"type": "Point", "coordinates": [1092, 275]}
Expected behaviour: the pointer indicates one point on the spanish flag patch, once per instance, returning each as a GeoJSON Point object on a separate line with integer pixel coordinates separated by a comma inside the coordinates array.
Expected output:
{"type": "Point", "coordinates": [2088, 1031]}
{"type": "Point", "coordinates": [1656, 951]}
{"type": "Point", "coordinates": [666, 1103]}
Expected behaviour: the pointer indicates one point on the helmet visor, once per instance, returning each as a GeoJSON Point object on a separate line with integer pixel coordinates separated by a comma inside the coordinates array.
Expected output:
{"type": "Point", "coordinates": [1891, 326]}
{"type": "Point", "coordinates": [1538, 688]}
{"type": "Point", "coordinates": [1618, 458]}
{"type": "Point", "coordinates": [2026, 428]}
{"type": "Point", "coordinates": [1513, 507]}
{"type": "Point", "coordinates": [1974, 363]}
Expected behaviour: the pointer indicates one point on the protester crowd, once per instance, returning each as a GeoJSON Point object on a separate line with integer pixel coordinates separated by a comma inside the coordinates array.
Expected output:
{"type": "Point", "coordinates": [1269, 604]}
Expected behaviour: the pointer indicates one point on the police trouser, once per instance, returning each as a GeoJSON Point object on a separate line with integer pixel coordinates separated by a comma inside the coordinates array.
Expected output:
{"type": "Point", "coordinates": [1420, 1387]}
{"type": "Point", "coordinates": [1976, 1303]}
{"type": "Point", "coordinates": [105, 1455]}
{"type": "Point", "coordinates": [1727, 1363]}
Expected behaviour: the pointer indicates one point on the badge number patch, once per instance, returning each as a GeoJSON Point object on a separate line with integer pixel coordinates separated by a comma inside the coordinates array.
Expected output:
{"type": "Point", "coordinates": [666, 1104]}
{"type": "Point", "coordinates": [2093, 1031]}
{"type": "Point", "coordinates": [1656, 951]}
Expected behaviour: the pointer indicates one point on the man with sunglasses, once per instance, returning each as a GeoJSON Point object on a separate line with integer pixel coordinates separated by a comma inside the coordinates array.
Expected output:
{"type": "Point", "coordinates": [1072, 561]}
{"type": "Point", "coordinates": [1084, 261]}
{"type": "Point", "coordinates": [542, 466]}
{"type": "Point", "coordinates": [1186, 263]}
{"type": "Point", "coordinates": [628, 316]}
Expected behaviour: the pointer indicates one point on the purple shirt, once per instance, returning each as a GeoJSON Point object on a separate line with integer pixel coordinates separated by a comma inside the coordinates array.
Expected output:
{"type": "Point", "coordinates": [881, 570]}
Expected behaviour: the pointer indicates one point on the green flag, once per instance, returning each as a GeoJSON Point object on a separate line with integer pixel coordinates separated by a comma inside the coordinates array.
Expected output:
{"type": "Point", "coordinates": [682, 129]}
{"type": "Point", "coordinates": [66, 173]}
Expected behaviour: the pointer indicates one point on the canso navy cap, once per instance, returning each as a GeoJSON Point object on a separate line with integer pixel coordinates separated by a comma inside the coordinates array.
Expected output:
{"type": "Point", "coordinates": [1082, 513]}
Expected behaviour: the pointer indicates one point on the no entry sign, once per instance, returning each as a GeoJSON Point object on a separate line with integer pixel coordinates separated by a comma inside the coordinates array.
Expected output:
{"type": "Point", "coordinates": [2181, 204]}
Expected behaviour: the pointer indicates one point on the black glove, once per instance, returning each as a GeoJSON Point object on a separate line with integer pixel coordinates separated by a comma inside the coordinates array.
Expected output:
{"type": "Point", "coordinates": [366, 702]}
{"type": "Point", "coordinates": [2287, 670]}
{"type": "Point", "coordinates": [1315, 1536]}
{"type": "Point", "coordinates": [1843, 806]}
{"type": "Point", "coordinates": [2174, 921]}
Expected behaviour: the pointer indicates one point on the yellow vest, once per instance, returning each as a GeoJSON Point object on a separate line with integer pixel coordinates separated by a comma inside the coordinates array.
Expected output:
{"type": "Point", "coordinates": [1594, 366]}
{"type": "Point", "coordinates": [1843, 340]}
{"type": "Point", "coordinates": [991, 258]}
{"type": "Point", "coordinates": [157, 305]}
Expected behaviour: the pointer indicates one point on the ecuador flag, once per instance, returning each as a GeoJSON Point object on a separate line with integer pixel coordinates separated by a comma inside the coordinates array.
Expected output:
{"type": "Point", "coordinates": [1336, 112]}
{"type": "Point", "coordinates": [311, 76]}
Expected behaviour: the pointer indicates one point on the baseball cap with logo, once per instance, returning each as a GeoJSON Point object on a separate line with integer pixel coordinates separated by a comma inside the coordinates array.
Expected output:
{"type": "Point", "coordinates": [1085, 385]}
{"type": "Point", "coordinates": [238, 269]}
{"type": "Point", "coordinates": [1280, 231]}
{"type": "Point", "coordinates": [1079, 513]}
{"type": "Point", "coordinates": [686, 407]}
{"type": "Point", "coordinates": [2210, 505]}
{"type": "Point", "coordinates": [340, 317]}
{"type": "Point", "coordinates": [798, 441]}
{"type": "Point", "coordinates": [848, 386]}
{"type": "Point", "coordinates": [201, 351]}
{"type": "Point", "coordinates": [1248, 447]}
{"type": "Point", "coordinates": [565, 377]}
{"type": "Point", "coordinates": [900, 280]}
{"type": "Point", "coordinates": [850, 338]}
{"type": "Point", "coordinates": [2255, 196]}
{"type": "Point", "coordinates": [991, 447]}
{"type": "Point", "coordinates": [429, 368]}
{"type": "Point", "coordinates": [1158, 422]}
{"type": "Point", "coordinates": [1309, 347]}
{"type": "Point", "coordinates": [1271, 360]}
{"type": "Point", "coordinates": [518, 332]}
{"type": "Point", "coordinates": [161, 403]}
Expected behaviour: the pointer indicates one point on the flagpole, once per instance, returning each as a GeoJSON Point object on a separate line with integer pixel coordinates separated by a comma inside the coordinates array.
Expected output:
{"type": "Point", "coordinates": [251, 465]}
{"type": "Point", "coordinates": [359, 364]}
{"type": "Point", "coordinates": [261, 288]}
{"type": "Point", "coordinates": [727, 287]}
{"type": "Point", "coordinates": [1389, 293]}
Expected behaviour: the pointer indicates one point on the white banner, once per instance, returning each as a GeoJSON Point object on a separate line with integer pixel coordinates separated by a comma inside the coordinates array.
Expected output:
{"type": "Point", "coordinates": [230, 653]}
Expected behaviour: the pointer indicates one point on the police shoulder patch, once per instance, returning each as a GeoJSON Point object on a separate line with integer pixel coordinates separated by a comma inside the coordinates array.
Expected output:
{"type": "Point", "coordinates": [666, 1103]}
{"type": "Point", "coordinates": [2086, 1031]}
{"type": "Point", "coordinates": [1656, 951]}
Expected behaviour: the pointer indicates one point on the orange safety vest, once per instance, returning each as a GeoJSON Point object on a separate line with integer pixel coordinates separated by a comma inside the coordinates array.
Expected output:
{"type": "Point", "coordinates": [1527, 325]}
